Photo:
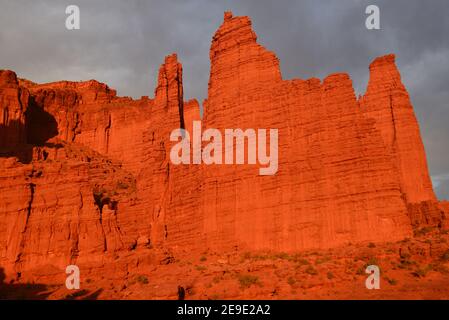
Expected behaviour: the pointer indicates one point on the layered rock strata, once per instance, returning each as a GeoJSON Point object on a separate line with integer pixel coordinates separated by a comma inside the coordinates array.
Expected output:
{"type": "Point", "coordinates": [97, 182]}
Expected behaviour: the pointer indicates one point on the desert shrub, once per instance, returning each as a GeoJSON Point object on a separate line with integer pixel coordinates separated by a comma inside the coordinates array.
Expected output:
{"type": "Point", "coordinates": [302, 262]}
{"type": "Point", "coordinates": [440, 268]}
{"type": "Point", "coordinates": [421, 272]}
{"type": "Point", "coordinates": [122, 185]}
{"type": "Point", "coordinates": [291, 281]}
{"type": "Point", "coordinates": [246, 256]}
{"type": "Point", "coordinates": [142, 279]}
{"type": "Point", "coordinates": [248, 280]}
{"type": "Point", "coordinates": [311, 270]}
{"type": "Point", "coordinates": [445, 256]}
{"type": "Point", "coordinates": [406, 264]}
{"type": "Point", "coordinates": [322, 260]}
{"type": "Point", "coordinates": [200, 268]}
{"type": "Point", "coordinates": [391, 281]}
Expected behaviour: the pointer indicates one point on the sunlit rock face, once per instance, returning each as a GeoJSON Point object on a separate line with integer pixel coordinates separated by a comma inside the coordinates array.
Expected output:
{"type": "Point", "coordinates": [86, 176]}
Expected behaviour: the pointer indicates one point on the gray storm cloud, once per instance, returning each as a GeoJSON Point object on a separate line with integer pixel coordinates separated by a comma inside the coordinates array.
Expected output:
{"type": "Point", "coordinates": [122, 43]}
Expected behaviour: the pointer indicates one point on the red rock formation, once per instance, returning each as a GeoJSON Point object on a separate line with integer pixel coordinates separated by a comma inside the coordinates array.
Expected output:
{"type": "Point", "coordinates": [191, 113]}
{"type": "Point", "coordinates": [99, 189]}
{"type": "Point", "coordinates": [89, 113]}
{"type": "Point", "coordinates": [444, 205]}
{"type": "Point", "coordinates": [63, 208]}
{"type": "Point", "coordinates": [335, 183]}
{"type": "Point", "coordinates": [13, 105]}
{"type": "Point", "coordinates": [388, 103]}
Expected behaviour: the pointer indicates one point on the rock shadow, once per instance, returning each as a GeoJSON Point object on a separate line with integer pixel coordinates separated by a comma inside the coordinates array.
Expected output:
{"type": "Point", "coordinates": [28, 291]}
{"type": "Point", "coordinates": [40, 125]}
{"type": "Point", "coordinates": [18, 139]}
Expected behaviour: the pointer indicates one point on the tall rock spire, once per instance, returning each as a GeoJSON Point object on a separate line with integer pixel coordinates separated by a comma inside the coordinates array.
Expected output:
{"type": "Point", "coordinates": [387, 101]}
{"type": "Point", "coordinates": [239, 67]}
{"type": "Point", "coordinates": [167, 115]}
{"type": "Point", "coordinates": [169, 91]}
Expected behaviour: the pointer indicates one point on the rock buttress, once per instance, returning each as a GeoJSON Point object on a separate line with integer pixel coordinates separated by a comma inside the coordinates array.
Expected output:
{"type": "Point", "coordinates": [388, 103]}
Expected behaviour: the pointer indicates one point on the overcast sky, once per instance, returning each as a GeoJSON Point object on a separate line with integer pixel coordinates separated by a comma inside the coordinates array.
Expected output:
{"type": "Point", "coordinates": [123, 43]}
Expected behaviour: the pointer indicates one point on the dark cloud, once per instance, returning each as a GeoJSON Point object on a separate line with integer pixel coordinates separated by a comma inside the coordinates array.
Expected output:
{"type": "Point", "coordinates": [122, 43]}
{"type": "Point", "coordinates": [442, 190]}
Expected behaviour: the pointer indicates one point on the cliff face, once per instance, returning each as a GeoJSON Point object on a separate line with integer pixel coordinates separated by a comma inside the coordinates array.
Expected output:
{"type": "Point", "coordinates": [13, 104]}
{"type": "Point", "coordinates": [90, 113]}
{"type": "Point", "coordinates": [336, 183]}
{"type": "Point", "coordinates": [98, 184]}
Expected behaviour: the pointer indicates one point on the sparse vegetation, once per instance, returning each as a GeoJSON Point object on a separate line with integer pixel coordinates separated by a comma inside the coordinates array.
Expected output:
{"type": "Point", "coordinates": [361, 270]}
{"type": "Point", "coordinates": [122, 185]}
{"type": "Point", "coordinates": [302, 262]}
{"type": "Point", "coordinates": [291, 281]}
{"type": "Point", "coordinates": [421, 272]}
{"type": "Point", "coordinates": [440, 268]}
{"type": "Point", "coordinates": [372, 262]}
{"type": "Point", "coordinates": [142, 279]}
{"type": "Point", "coordinates": [203, 258]}
{"type": "Point", "coordinates": [200, 268]}
{"type": "Point", "coordinates": [283, 256]}
{"type": "Point", "coordinates": [406, 264]}
{"type": "Point", "coordinates": [445, 256]}
{"type": "Point", "coordinates": [322, 260]}
{"type": "Point", "coordinates": [271, 256]}
{"type": "Point", "coordinates": [391, 281]}
{"type": "Point", "coordinates": [311, 270]}
{"type": "Point", "coordinates": [371, 245]}
{"type": "Point", "coordinates": [246, 256]}
{"type": "Point", "coordinates": [330, 275]}
{"type": "Point", "coordinates": [248, 280]}
{"type": "Point", "coordinates": [423, 231]}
